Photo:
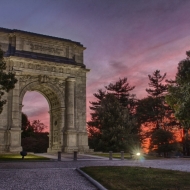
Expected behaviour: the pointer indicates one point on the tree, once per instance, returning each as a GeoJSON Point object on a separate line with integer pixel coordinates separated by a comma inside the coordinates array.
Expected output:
{"type": "Point", "coordinates": [114, 126]}
{"type": "Point", "coordinates": [145, 110]}
{"type": "Point", "coordinates": [38, 126]}
{"type": "Point", "coordinates": [163, 141]}
{"type": "Point", "coordinates": [112, 117]}
{"type": "Point", "coordinates": [157, 92]}
{"type": "Point", "coordinates": [154, 109]}
{"type": "Point", "coordinates": [27, 129]}
{"type": "Point", "coordinates": [33, 137]}
{"type": "Point", "coordinates": [7, 80]}
{"type": "Point", "coordinates": [121, 90]}
{"type": "Point", "coordinates": [178, 96]}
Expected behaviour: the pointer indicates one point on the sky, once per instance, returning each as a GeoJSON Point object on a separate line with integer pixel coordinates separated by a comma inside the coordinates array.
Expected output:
{"type": "Point", "coordinates": [124, 38]}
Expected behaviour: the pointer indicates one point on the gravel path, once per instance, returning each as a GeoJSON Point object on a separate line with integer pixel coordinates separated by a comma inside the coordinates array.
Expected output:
{"type": "Point", "coordinates": [52, 175]}
{"type": "Point", "coordinates": [46, 179]}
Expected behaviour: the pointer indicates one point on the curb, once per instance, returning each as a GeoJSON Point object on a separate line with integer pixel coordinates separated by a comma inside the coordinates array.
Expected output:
{"type": "Point", "coordinates": [94, 182]}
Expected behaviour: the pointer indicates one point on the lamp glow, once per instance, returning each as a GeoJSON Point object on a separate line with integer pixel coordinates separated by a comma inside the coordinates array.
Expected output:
{"type": "Point", "coordinates": [138, 154]}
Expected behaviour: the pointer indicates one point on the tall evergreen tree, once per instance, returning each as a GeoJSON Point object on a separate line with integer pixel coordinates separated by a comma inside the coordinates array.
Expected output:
{"type": "Point", "coordinates": [114, 126]}
{"type": "Point", "coordinates": [121, 90]}
{"type": "Point", "coordinates": [154, 109]}
{"type": "Point", "coordinates": [111, 117]}
{"type": "Point", "coordinates": [157, 92]}
{"type": "Point", "coordinates": [156, 82]}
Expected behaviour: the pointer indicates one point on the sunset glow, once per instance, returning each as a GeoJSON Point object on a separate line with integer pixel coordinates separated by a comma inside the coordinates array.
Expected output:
{"type": "Point", "coordinates": [124, 38]}
{"type": "Point", "coordinates": [36, 107]}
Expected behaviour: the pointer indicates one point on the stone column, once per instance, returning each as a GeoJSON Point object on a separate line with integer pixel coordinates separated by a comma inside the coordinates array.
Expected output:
{"type": "Point", "coordinates": [6, 122]}
{"type": "Point", "coordinates": [50, 133]}
{"type": "Point", "coordinates": [62, 126]}
{"type": "Point", "coordinates": [70, 95]}
{"type": "Point", "coordinates": [16, 120]}
{"type": "Point", "coordinates": [15, 139]}
{"type": "Point", "coordinates": [70, 134]}
{"type": "Point", "coordinates": [13, 45]}
{"type": "Point", "coordinates": [10, 42]}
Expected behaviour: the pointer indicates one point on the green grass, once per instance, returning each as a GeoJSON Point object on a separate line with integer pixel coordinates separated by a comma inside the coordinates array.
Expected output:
{"type": "Point", "coordinates": [138, 178]}
{"type": "Point", "coordinates": [18, 157]}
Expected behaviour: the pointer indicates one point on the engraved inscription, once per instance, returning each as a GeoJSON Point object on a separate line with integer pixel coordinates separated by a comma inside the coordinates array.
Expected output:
{"type": "Point", "coordinates": [42, 48]}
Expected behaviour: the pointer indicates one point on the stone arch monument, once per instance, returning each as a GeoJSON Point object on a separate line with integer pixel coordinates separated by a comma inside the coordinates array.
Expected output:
{"type": "Point", "coordinates": [54, 67]}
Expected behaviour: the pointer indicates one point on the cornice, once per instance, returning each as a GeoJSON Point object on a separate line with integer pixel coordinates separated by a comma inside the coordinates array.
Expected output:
{"type": "Point", "coordinates": [36, 61]}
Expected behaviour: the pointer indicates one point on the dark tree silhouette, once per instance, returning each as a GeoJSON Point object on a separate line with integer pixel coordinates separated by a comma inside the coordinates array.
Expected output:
{"type": "Point", "coordinates": [112, 125]}
{"type": "Point", "coordinates": [154, 109]}
{"type": "Point", "coordinates": [34, 139]}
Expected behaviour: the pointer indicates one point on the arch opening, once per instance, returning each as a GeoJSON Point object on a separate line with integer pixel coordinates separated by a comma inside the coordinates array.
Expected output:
{"type": "Point", "coordinates": [54, 106]}
{"type": "Point", "coordinates": [36, 107]}
{"type": "Point", "coordinates": [35, 123]}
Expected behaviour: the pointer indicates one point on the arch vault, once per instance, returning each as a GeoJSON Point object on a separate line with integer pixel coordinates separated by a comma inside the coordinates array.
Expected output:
{"type": "Point", "coordinates": [54, 67]}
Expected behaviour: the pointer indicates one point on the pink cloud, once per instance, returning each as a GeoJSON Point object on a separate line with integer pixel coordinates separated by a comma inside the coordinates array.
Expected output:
{"type": "Point", "coordinates": [123, 38]}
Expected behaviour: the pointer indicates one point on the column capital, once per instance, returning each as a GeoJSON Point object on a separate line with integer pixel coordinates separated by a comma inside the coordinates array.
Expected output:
{"type": "Point", "coordinates": [71, 79]}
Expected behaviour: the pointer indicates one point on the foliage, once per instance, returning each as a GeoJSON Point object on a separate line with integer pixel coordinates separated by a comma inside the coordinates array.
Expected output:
{"type": "Point", "coordinates": [121, 90]}
{"type": "Point", "coordinates": [112, 126]}
{"type": "Point", "coordinates": [38, 143]}
{"type": "Point", "coordinates": [154, 109]}
{"type": "Point", "coordinates": [145, 110]}
{"type": "Point", "coordinates": [186, 142]}
{"type": "Point", "coordinates": [157, 92]}
{"type": "Point", "coordinates": [7, 80]}
{"type": "Point", "coordinates": [138, 178]}
{"type": "Point", "coordinates": [33, 137]}
{"type": "Point", "coordinates": [156, 82]}
{"type": "Point", "coordinates": [178, 96]}
{"type": "Point", "coordinates": [163, 141]}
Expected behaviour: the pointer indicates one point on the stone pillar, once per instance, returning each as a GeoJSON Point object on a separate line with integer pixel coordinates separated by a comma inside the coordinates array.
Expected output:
{"type": "Point", "coordinates": [70, 134]}
{"type": "Point", "coordinates": [70, 95]}
{"type": "Point", "coordinates": [57, 124]}
{"type": "Point", "coordinates": [13, 45]}
{"type": "Point", "coordinates": [5, 122]}
{"type": "Point", "coordinates": [16, 120]}
{"type": "Point", "coordinates": [9, 48]}
{"type": "Point", "coordinates": [62, 126]}
{"type": "Point", "coordinates": [50, 133]}
{"type": "Point", "coordinates": [15, 132]}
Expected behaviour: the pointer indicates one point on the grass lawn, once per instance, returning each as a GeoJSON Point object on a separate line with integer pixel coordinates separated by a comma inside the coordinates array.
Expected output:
{"type": "Point", "coordinates": [18, 157]}
{"type": "Point", "coordinates": [138, 178]}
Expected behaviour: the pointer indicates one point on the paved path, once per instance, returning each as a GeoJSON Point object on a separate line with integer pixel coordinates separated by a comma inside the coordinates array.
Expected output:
{"type": "Point", "coordinates": [54, 175]}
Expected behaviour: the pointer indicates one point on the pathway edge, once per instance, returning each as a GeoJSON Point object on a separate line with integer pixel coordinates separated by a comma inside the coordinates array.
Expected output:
{"type": "Point", "coordinates": [94, 182]}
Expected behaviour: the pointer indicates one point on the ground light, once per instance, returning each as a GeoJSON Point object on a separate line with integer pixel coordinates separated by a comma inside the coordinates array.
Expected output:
{"type": "Point", "coordinates": [138, 153]}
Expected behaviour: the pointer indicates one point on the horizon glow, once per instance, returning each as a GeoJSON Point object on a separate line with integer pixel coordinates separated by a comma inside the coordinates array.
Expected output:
{"type": "Point", "coordinates": [124, 38]}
